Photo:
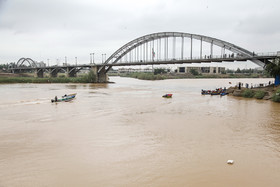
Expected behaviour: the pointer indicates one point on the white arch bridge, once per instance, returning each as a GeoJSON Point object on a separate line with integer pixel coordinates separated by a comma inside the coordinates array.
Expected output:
{"type": "Point", "coordinates": [176, 48]}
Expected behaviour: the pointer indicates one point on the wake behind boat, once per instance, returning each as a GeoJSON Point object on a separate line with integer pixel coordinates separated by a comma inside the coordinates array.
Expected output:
{"type": "Point", "coordinates": [64, 98]}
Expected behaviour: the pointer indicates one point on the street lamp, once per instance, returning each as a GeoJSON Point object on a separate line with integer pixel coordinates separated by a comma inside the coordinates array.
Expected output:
{"type": "Point", "coordinates": [104, 57]}
{"type": "Point", "coordinates": [91, 58]}
{"type": "Point", "coordinates": [76, 60]}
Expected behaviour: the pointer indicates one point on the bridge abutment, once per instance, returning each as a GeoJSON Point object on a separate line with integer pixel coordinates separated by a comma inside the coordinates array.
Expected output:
{"type": "Point", "coordinates": [101, 76]}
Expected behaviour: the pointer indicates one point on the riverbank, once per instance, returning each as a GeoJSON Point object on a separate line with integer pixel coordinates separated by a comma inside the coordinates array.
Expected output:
{"type": "Point", "coordinates": [270, 92]}
{"type": "Point", "coordinates": [152, 76]}
{"type": "Point", "coordinates": [7, 78]}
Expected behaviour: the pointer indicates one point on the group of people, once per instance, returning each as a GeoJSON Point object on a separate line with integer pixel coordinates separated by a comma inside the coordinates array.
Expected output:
{"type": "Point", "coordinates": [240, 84]}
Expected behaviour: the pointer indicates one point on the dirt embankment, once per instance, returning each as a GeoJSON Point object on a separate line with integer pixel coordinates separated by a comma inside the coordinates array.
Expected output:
{"type": "Point", "coordinates": [269, 91]}
{"type": "Point", "coordinates": [8, 74]}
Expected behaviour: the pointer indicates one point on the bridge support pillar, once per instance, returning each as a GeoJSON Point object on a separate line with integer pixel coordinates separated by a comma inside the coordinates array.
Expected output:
{"type": "Point", "coordinates": [101, 77]}
{"type": "Point", "coordinates": [71, 72]}
{"type": "Point", "coordinates": [39, 73]}
{"type": "Point", "coordinates": [53, 73]}
{"type": "Point", "coordinates": [16, 71]}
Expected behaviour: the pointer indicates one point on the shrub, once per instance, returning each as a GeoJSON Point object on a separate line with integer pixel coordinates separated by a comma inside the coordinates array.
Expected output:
{"type": "Point", "coordinates": [159, 71]}
{"type": "Point", "coordinates": [248, 93]}
{"type": "Point", "coordinates": [88, 78]}
{"type": "Point", "coordinates": [259, 94]}
{"type": "Point", "coordinates": [194, 72]}
{"type": "Point", "coordinates": [276, 96]}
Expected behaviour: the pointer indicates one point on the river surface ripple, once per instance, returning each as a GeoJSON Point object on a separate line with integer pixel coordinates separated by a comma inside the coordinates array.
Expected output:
{"type": "Point", "coordinates": [126, 134]}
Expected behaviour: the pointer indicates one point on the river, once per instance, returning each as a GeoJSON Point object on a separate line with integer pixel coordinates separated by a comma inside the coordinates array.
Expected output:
{"type": "Point", "coordinates": [126, 134]}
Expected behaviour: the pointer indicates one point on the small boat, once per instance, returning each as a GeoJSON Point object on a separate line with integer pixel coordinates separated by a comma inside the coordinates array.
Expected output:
{"type": "Point", "coordinates": [70, 95]}
{"type": "Point", "coordinates": [218, 91]}
{"type": "Point", "coordinates": [215, 92]}
{"type": "Point", "coordinates": [64, 98]}
{"type": "Point", "coordinates": [223, 93]}
{"type": "Point", "coordinates": [206, 92]}
{"type": "Point", "coordinates": [167, 95]}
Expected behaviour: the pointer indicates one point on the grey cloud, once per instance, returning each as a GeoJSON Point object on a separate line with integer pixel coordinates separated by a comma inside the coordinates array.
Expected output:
{"type": "Point", "coordinates": [53, 28]}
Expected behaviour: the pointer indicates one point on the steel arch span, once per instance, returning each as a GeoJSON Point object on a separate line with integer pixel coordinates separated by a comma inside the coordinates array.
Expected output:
{"type": "Point", "coordinates": [157, 38]}
{"type": "Point", "coordinates": [31, 62]}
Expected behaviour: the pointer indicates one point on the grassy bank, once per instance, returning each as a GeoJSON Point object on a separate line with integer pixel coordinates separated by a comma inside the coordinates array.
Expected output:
{"type": "Point", "coordinates": [152, 76]}
{"type": "Point", "coordinates": [88, 78]}
{"type": "Point", "coordinates": [267, 93]}
{"type": "Point", "coordinates": [143, 76]}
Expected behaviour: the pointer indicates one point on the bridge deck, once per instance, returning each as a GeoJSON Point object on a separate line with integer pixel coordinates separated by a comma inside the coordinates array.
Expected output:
{"type": "Point", "coordinates": [155, 62]}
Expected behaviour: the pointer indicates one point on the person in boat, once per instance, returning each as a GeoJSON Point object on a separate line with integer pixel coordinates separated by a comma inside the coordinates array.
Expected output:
{"type": "Point", "coordinates": [55, 98]}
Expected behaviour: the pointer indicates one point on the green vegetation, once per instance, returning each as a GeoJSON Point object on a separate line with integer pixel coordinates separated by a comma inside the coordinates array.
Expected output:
{"type": "Point", "coordinates": [276, 96]}
{"type": "Point", "coordinates": [238, 70]}
{"type": "Point", "coordinates": [248, 93]}
{"type": "Point", "coordinates": [155, 76]}
{"type": "Point", "coordinates": [4, 66]}
{"type": "Point", "coordinates": [165, 73]}
{"type": "Point", "coordinates": [273, 68]}
{"type": "Point", "coordinates": [144, 76]}
{"type": "Point", "coordinates": [194, 72]}
{"type": "Point", "coordinates": [160, 71]}
{"type": "Point", "coordinates": [88, 78]}
{"type": "Point", "coordinates": [259, 94]}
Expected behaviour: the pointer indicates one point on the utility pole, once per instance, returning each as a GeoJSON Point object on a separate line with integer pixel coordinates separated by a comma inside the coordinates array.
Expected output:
{"type": "Point", "coordinates": [66, 61]}
{"type": "Point", "coordinates": [92, 58]}
{"type": "Point", "coordinates": [76, 60]}
{"type": "Point", "coordinates": [103, 58]}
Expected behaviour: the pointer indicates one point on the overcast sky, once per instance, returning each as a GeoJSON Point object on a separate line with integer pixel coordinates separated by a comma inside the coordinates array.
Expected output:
{"type": "Point", "coordinates": [54, 29]}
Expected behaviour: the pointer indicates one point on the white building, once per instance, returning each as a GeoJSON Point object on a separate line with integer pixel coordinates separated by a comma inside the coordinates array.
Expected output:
{"type": "Point", "coordinates": [203, 70]}
{"type": "Point", "coordinates": [133, 70]}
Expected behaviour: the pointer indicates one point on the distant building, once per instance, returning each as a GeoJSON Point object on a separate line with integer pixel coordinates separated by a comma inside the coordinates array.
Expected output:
{"type": "Point", "coordinates": [202, 70]}
{"type": "Point", "coordinates": [40, 64]}
{"type": "Point", "coordinates": [133, 70]}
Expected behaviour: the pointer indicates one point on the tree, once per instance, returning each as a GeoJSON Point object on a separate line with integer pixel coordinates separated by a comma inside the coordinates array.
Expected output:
{"type": "Point", "coordinates": [194, 72]}
{"type": "Point", "coordinates": [273, 68]}
{"type": "Point", "coordinates": [238, 70]}
{"type": "Point", "coordinates": [229, 71]}
{"type": "Point", "coordinates": [159, 71]}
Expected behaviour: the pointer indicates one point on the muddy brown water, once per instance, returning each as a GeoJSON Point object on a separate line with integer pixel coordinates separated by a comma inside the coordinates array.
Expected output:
{"type": "Point", "coordinates": [126, 134]}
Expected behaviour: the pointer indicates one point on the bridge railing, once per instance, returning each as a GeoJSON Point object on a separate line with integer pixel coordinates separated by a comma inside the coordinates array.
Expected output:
{"type": "Point", "coordinates": [267, 54]}
{"type": "Point", "coordinates": [233, 56]}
